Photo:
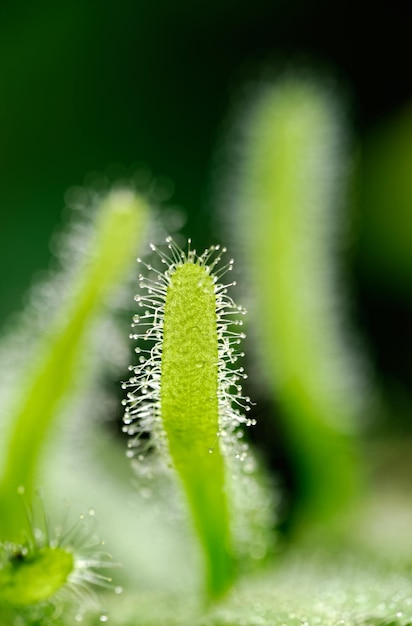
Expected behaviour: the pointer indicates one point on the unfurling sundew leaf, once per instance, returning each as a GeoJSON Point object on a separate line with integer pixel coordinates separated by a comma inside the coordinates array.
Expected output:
{"type": "Point", "coordinates": [186, 391]}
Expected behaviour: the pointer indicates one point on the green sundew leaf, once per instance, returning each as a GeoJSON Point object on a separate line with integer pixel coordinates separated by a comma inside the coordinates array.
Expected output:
{"type": "Point", "coordinates": [29, 580]}
{"type": "Point", "coordinates": [289, 196]}
{"type": "Point", "coordinates": [118, 227]}
{"type": "Point", "coordinates": [190, 412]}
{"type": "Point", "coordinates": [187, 397]}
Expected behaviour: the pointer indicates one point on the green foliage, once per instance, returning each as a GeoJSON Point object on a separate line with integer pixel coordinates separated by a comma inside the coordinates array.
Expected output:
{"type": "Point", "coordinates": [185, 409]}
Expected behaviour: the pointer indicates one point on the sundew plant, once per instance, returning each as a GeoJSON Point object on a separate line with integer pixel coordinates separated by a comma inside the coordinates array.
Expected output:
{"type": "Point", "coordinates": [180, 492]}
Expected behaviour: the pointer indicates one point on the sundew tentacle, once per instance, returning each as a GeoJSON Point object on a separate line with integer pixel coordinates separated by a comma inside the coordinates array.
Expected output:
{"type": "Point", "coordinates": [185, 392]}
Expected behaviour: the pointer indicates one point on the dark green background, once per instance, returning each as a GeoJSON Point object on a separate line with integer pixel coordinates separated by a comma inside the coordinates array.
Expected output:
{"type": "Point", "coordinates": [87, 85]}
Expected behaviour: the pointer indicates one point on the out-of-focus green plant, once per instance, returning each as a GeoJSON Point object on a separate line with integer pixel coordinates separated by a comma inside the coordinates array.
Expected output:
{"type": "Point", "coordinates": [287, 219]}
{"type": "Point", "coordinates": [33, 568]}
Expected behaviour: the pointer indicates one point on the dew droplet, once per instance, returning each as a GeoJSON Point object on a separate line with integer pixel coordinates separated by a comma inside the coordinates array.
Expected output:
{"type": "Point", "coordinates": [103, 617]}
